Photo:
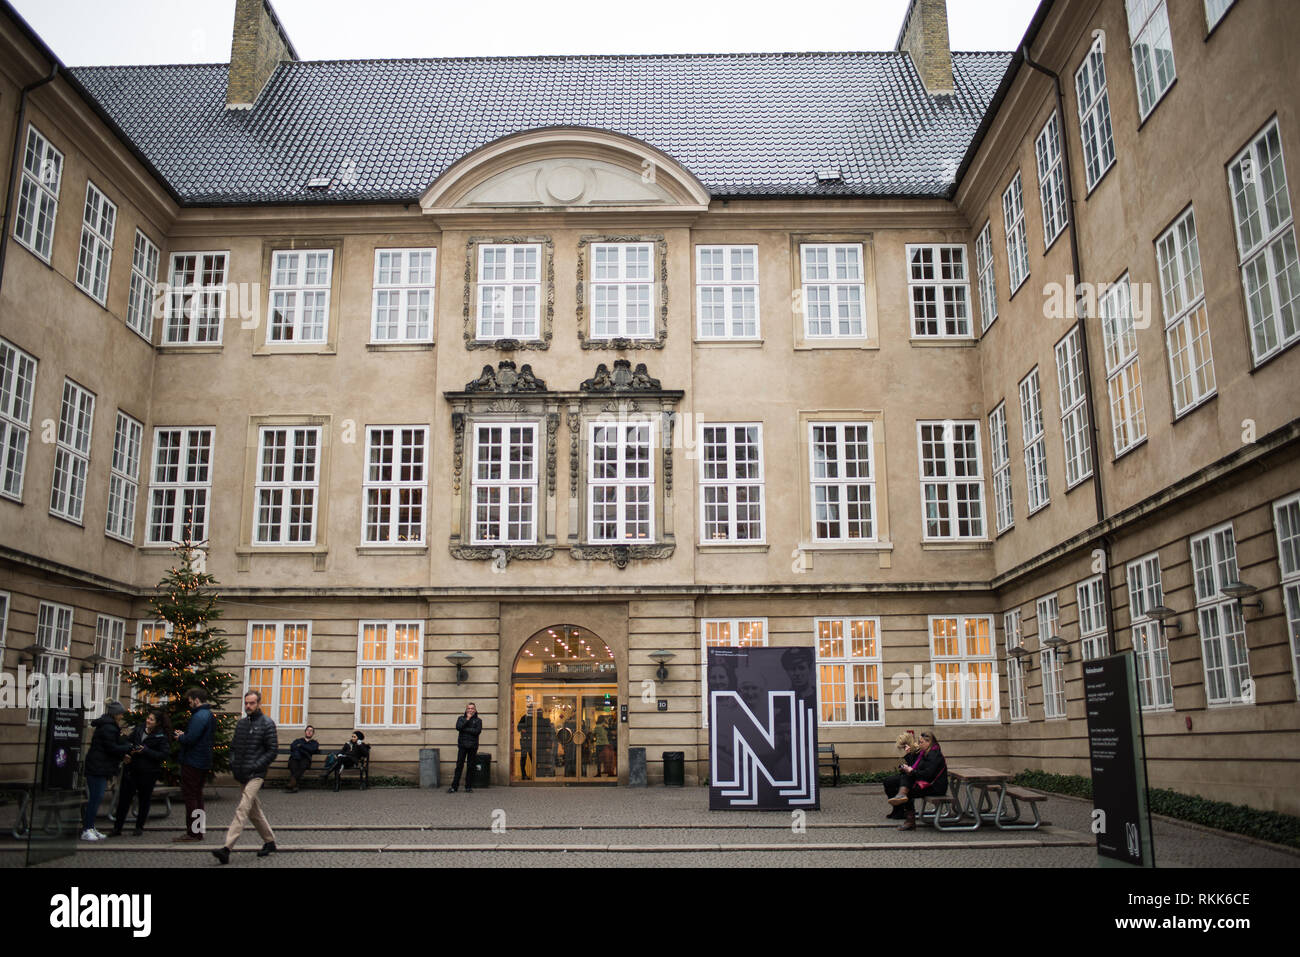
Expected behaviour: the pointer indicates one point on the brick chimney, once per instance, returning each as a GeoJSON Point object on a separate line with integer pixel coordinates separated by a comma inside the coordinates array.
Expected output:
{"type": "Point", "coordinates": [924, 38]}
{"type": "Point", "coordinates": [257, 47]}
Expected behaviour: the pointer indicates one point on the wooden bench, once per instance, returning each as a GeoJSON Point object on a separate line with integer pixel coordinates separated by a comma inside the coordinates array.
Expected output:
{"type": "Point", "coordinates": [1017, 796]}
{"type": "Point", "coordinates": [161, 800]}
{"type": "Point", "coordinates": [827, 758]}
{"type": "Point", "coordinates": [944, 811]}
{"type": "Point", "coordinates": [361, 769]}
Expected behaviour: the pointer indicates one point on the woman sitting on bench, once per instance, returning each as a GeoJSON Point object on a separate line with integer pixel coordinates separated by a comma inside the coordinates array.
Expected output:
{"type": "Point", "coordinates": [349, 757]}
{"type": "Point", "coordinates": [929, 777]}
{"type": "Point", "coordinates": [911, 751]}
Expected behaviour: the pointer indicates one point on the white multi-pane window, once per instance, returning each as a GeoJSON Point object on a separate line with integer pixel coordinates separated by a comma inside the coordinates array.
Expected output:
{"type": "Point", "coordinates": [843, 481]}
{"type": "Point", "coordinates": [1092, 617]}
{"type": "Point", "coordinates": [288, 479]}
{"type": "Point", "coordinates": [98, 223]}
{"type": "Point", "coordinates": [504, 486]}
{"type": "Point", "coordinates": [621, 487]}
{"type": "Point", "coordinates": [509, 291]}
{"type": "Point", "coordinates": [1286, 520]}
{"type": "Point", "coordinates": [38, 194]}
{"type": "Point", "coordinates": [622, 293]}
{"type": "Point", "coordinates": [403, 295]}
{"type": "Point", "coordinates": [72, 452]}
{"type": "Point", "coordinates": [1013, 220]}
{"type": "Point", "coordinates": [146, 633]}
{"type": "Point", "coordinates": [726, 292]}
{"type": "Point", "coordinates": [938, 287]}
{"type": "Point", "coordinates": [1223, 630]}
{"type": "Point", "coordinates": [180, 484]}
{"type": "Point", "coordinates": [1187, 325]}
{"type": "Point", "coordinates": [1155, 686]}
{"type": "Point", "coordinates": [833, 290]}
{"type": "Point", "coordinates": [300, 295]}
{"type": "Point", "coordinates": [731, 483]}
{"type": "Point", "coordinates": [277, 660]}
{"type": "Point", "coordinates": [1270, 272]}
{"type": "Point", "coordinates": [1123, 375]}
{"type": "Point", "coordinates": [389, 657]}
{"type": "Point", "coordinates": [17, 382]}
{"type": "Point", "coordinates": [124, 478]}
{"type": "Point", "coordinates": [1035, 441]}
{"type": "Point", "coordinates": [1016, 700]}
{"type": "Point", "coordinates": [53, 646]}
{"type": "Point", "coordinates": [1051, 179]}
{"type": "Point", "coordinates": [988, 283]}
{"type": "Point", "coordinates": [144, 269]}
{"type": "Point", "coordinates": [394, 487]}
{"type": "Point", "coordinates": [1094, 114]}
{"type": "Point", "coordinates": [1003, 508]}
{"type": "Point", "coordinates": [726, 633]}
{"type": "Point", "coordinates": [196, 298]}
{"type": "Point", "coordinates": [964, 659]}
{"type": "Point", "coordinates": [848, 671]}
{"type": "Point", "coordinates": [1214, 11]}
{"type": "Point", "coordinates": [1074, 411]}
{"type": "Point", "coordinates": [1153, 51]}
{"type": "Point", "coordinates": [110, 640]}
{"type": "Point", "coordinates": [1049, 618]}
{"type": "Point", "coordinates": [952, 480]}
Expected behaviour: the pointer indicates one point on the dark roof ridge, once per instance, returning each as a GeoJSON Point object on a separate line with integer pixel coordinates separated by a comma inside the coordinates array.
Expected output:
{"type": "Point", "coordinates": [536, 57]}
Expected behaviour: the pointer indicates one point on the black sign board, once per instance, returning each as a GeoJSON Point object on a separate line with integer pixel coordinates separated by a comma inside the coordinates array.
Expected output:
{"type": "Point", "coordinates": [62, 746]}
{"type": "Point", "coordinates": [762, 729]}
{"type": "Point", "coordinates": [1119, 784]}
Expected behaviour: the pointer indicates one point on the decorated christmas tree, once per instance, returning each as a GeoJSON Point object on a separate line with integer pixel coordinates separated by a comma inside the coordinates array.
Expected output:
{"type": "Point", "coordinates": [185, 653]}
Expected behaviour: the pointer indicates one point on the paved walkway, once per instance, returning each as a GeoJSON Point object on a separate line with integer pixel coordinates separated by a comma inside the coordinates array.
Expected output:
{"type": "Point", "coordinates": [624, 827]}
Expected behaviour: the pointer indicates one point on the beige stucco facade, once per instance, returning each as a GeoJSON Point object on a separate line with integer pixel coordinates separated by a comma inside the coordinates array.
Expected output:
{"type": "Point", "coordinates": [1192, 473]}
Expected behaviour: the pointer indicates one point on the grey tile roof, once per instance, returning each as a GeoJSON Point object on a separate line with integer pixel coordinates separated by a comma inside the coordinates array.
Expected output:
{"type": "Point", "coordinates": [745, 124]}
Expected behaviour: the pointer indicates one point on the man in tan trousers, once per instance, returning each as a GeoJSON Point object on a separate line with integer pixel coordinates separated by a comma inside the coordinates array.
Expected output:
{"type": "Point", "coordinates": [251, 754]}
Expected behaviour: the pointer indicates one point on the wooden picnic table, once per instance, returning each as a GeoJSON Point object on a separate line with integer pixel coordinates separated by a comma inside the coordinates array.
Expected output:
{"type": "Point", "coordinates": [969, 787]}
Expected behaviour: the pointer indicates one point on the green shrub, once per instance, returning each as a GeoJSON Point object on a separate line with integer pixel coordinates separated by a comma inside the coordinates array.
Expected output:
{"type": "Point", "coordinates": [1235, 818]}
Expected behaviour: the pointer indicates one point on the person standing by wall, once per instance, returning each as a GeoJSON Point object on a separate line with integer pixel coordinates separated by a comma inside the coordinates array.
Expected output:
{"type": "Point", "coordinates": [149, 748]}
{"type": "Point", "coordinates": [468, 727]}
{"type": "Point", "coordinates": [251, 754]}
{"type": "Point", "coordinates": [103, 759]}
{"type": "Point", "coordinates": [195, 760]}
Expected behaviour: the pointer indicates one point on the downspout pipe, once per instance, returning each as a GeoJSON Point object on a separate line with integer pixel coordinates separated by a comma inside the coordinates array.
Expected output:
{"type": "Point", "coordinates": [15, 163]}
{"type": "Point", "coordinates": [1093, 430]}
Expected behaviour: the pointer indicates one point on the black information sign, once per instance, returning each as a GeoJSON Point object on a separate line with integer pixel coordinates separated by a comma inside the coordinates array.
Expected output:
{"type": "Point", "coordinates": [762, 729]}
{"type": "Point", "coordinates": [62, 747]}
{"type": "Point", "coordinates": [1119, 785]}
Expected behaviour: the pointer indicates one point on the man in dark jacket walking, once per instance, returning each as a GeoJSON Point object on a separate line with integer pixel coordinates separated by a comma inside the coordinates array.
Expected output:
{"type": "Point", "coordinates": [251, 754]}
{"type": "Point", "coordinates": [196, 760]}
{"type": "Point", "coordinates": [468, 727]}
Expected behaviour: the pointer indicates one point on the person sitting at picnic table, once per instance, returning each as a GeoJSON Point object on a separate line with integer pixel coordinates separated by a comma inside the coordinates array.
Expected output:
{"type": "Point", "coordinates": [911, 756]}
{"type": "Point", "coordinates": [929, 777]}
{"type": "Point", "coordinates": [300, 752]}
{"type": "Point", "coordinates": [348, 757]}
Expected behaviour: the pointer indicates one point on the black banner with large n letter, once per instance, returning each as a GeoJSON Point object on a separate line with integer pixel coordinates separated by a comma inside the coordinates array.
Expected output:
{"type": "Point", "coordinates": [762, 729]}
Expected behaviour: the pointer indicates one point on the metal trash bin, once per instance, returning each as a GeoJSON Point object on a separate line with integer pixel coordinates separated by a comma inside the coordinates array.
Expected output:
{"type": "Point", "coordinates": [674, 769]}
{"type": "Point", "coordinates": [480, 776]}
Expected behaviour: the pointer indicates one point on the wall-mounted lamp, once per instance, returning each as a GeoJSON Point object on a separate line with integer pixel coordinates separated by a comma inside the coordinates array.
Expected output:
{"type": "Point", "coordinates": [1166, 616]}
{"type": "Point", "coordinates": [1025, 658]}
{"type": "Point", "coordinates": [663, 657]}
{"type": "Point", "coordinates": [1057, 644]}
{"type": "Point", "coordinates": [1240, 590]}
{"type": "Point", "coordinates": [460, 660]}
{"type": "Point", "coordinates": [28, 655]}
{"type": "Point", "coordinates": [88, 665]}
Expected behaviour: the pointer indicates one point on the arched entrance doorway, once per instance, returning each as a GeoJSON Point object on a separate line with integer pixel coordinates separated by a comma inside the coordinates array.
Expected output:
{"type": "Point", "coordinates": [564, 709]}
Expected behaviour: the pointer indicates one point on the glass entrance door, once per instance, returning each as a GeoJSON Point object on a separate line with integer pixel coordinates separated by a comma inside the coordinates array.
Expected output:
{"type": "Point", "coordinates": [565, 734]}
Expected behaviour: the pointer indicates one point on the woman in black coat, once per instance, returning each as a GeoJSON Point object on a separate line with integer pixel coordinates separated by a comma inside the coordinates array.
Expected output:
{"type": "Point", "coordinates": [911, 756]}
{"type": "Point", "coordinates": [143, 765]}
{"type": "Point", "coordinates": [930, 776]}
{"type": "Point", "coordinates": [103, 758]}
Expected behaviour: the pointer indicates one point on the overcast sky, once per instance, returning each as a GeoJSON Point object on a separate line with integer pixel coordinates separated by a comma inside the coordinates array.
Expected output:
{"type": "Point", "coordinates": [97, 32]}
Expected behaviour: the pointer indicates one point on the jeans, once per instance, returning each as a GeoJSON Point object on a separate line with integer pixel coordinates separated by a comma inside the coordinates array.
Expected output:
{"type": "Point", "coordinates": [464, 754]}
{"type": "Point", "coordinates": [96, 786]}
